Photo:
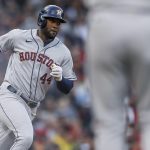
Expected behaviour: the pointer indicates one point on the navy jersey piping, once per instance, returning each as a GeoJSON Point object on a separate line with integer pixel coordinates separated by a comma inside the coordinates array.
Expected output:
{"type": "Point", "coordinates": [52, 46]}
{"type": "Point", "coordinates": [33, 62]}
{"type": "Point", "coordinates": [11, 124]}
{"type": "Point", "coordinates": [40, 68]}
{"type": "Point", "coordinates": [38, 78]}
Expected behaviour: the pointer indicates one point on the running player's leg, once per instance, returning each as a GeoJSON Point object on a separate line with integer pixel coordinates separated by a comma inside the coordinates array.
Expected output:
{"type": "Point", "coordinates": [143, 104]}
{"type": "Point", "coordinates": [15, 116]}
{"type": "Point", "coordinates": [141, 74]}
{"type": "Point", "coordinates": [6, 137]}
{"type": "Point", "coordinates": [109, 88]}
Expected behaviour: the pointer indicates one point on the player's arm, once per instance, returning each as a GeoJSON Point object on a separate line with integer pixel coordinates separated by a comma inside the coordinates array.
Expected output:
{"type": "Point", "coordinates": [63, 84]}
{"type": "Point", "coordinates": [7, 41]}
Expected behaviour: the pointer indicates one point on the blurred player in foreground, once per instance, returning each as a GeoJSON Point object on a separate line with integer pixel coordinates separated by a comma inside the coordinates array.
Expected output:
{"type": "Point", "coordinates": [37, 58]}
{"type": "Point", "coordinates": [119, 60]}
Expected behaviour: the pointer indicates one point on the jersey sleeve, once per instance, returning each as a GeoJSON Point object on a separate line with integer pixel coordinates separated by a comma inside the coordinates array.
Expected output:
{"type": "Point", "coordinates": [7, 41]}
{"type": "Point", "coordinates": [67, 67]}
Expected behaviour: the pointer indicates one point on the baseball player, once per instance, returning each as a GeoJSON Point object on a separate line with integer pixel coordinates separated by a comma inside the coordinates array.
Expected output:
{"type": "Point", "coordinates": [37, 58]}
{"type": "Point", "coordinates": [119, 60]}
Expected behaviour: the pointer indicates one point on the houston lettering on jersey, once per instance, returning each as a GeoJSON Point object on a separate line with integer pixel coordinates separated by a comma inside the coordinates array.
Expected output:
{"type": "Point", "coordinates": [41, 58]}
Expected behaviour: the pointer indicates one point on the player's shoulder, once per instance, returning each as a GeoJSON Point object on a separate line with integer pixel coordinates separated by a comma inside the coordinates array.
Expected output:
{"type": "Point", "coordinates": [62, 46]}
{"type": "Point", "coordinates": [18, 32]}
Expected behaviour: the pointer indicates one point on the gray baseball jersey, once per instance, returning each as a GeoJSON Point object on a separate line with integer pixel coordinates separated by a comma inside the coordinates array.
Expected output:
{"type": "Point", "coordinates": [28, 72]}
{"type": "Point", "coordinates": [29, 66]}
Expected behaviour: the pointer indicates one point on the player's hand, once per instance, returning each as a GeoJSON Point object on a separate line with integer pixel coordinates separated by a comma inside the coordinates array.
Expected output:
{"type": "Point", "coordinates": [56, 72]}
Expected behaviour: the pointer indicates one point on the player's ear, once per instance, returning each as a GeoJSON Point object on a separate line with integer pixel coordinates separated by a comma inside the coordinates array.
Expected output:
{"type": "Point", "coordinates": [41, 20]}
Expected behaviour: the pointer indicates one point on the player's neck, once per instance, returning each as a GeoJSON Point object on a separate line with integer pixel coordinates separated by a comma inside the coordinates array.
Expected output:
{"type": "Point", "coordinates": [43, 38]}
{"type": "Point", "coordinates": [41, 35]}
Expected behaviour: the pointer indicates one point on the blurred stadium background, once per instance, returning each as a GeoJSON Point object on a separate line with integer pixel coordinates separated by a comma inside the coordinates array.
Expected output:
{"type": "Point", "coordinates": [63, 122]}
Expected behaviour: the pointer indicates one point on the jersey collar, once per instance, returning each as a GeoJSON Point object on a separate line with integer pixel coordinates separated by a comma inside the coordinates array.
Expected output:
{"type": "Point", "coordinates": [49, 43]}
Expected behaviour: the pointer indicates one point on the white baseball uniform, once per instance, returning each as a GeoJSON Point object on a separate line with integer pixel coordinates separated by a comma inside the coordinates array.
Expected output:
{"type": "Point", "coordinates": [27, 78]}
{"type": "Point", "coordinates": [119, 58]}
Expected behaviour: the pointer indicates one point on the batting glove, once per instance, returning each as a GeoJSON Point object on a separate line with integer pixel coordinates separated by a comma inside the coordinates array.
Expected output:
{"type": "Point", "coordinates": [56, 72]}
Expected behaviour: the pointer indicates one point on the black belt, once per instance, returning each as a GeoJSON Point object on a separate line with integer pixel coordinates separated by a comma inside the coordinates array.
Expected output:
{"type": "Point", "coordinates": [29, 103]}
